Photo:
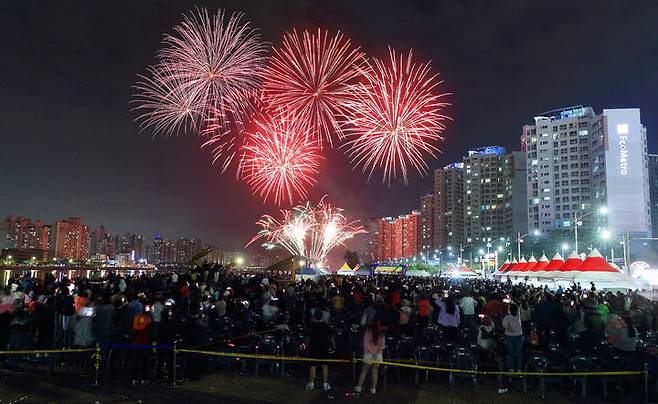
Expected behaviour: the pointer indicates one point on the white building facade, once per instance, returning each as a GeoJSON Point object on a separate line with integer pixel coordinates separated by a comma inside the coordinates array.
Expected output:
{"type": "Point", "coordinates": [578, 162]}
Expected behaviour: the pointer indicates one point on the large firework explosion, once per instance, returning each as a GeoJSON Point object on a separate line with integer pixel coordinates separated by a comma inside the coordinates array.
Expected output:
{"type": "Point", "coordinates": [211, 78]}
{"type": "Point", "coordinates": [396, 117]}
{"type": "Point", "coordinates": [309, 76]}
{"type": "Point", "coordinates": [216, 61]}
{"type": "Point", "coordinates": [308, 231]}
{"type": "Point", "coordinates": [279, 160]}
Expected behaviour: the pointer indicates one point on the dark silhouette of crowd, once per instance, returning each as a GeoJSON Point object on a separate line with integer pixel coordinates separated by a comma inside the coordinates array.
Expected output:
{"type": "Point", "coordinates": [455, 322]}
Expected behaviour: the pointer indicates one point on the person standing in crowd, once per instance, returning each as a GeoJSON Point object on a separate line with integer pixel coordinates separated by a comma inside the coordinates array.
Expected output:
{"type": "Point", "coordinates": [102, 322]}
{"type": "Point", "coordinates": [66, 310]}
{"type": "Point", "coordinates": [449, 318]}
{"type": "Point", "coordinates": [373, 350]}
{"type": "Point", "coordinates": [467, 306]}
{"type": "Point", "coordinates": [622, 335]}
{"type": "Point", "coordinates": [6, 310]}
{"type": "Point", "coordinates": [423, 311]}
{"type": "Point", "coordinates": [319, 334]}
{"type": "Point", "coordinates": [513, 338]}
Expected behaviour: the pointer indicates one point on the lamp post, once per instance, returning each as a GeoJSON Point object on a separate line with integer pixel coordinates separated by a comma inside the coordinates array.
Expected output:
{"type": "Point", "coordinates": [519, 240]}
{"type": "Point", "coordinates": [577, 219]}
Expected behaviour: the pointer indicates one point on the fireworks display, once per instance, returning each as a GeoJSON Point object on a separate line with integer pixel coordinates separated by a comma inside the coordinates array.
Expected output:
{"type": "Point", "coordinates": [279, 159]}
{"type": "Point", "coordinates": [309, 77]}
{"type": "Point", "coordinates": [396, 118]}
{"type": "Point", "coordinates": [212, 66]}
{"type": "Point", "coordinates": [308, 231]}
{"type": "Point", "coordinates": [272, 116]}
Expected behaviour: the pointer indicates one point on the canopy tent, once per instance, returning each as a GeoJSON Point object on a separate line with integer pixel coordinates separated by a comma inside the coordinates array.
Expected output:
{"type": "Point", "coordinates": [388, 270]}
{"type": "Point", "coordinates": [346, 270]}
{"type": "Point", "coordinates": [596, 269]}
{"type": "Point", "coordinates": [518, 267]}
{"type": "Point", "coordinates": [532, 262]}
{"type": "Point", "coordinates": [417, 272]}
{"type": "Point", "coordinates": [556, 262]}
{"type": "Point", "coordinates": [540, 266]}
{"type": "Point", "coordinates": [507, 268]}
{"type": "Point", "coordinates": [571, 264]}
{"type": "Point", "coordinates": [461, 271]}
{"type": "Point", "coordinates": [503, 267]}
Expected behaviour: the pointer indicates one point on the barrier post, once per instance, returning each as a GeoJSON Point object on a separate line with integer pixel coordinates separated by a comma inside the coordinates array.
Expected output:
{"type": "Point", "coordinates": [173, 365]}
{"type": "Point", "coordinates": [645, 372]}
{"type": "Point", "coordinates": [97, 364]}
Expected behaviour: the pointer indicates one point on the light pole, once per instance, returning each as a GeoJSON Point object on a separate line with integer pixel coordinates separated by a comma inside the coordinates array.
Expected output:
{"type": "Point", "coordinates": [577, 221]}
{"type": "Point", "coordinates": [519, 240]}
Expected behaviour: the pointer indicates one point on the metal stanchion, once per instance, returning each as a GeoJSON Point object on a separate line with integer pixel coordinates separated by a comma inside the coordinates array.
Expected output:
{"type": "Point", "coordinates": [97, 364]}
{"type": "Point", "coordinates": [173, 365]}
{"type": "Point", "coordinates": [646, 383]}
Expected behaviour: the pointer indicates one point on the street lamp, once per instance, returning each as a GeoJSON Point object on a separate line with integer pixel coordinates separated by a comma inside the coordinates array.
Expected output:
{"type": "Point", "coordinates": [519, 240]}
{"type": "Point", "coordinates": [605, 234]}
{"type": "Point", "coordinates": [577, 221]}
{"type": "Point", "coordinates": [565, 246]}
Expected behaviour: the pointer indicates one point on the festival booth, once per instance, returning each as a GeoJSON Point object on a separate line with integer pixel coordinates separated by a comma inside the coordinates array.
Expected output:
{"type": "Point", "coordinates": [417, 272]}
{"type": "Point", "coordinates": [460, 271]}
{"type": "Point", "coordinates": [596, 269]}
{"type": "Point", "coordinates": [506, 267]}
{"type": "Point", "coordinates": [398, 270]}
{"type": "Point", "coordinates": [521, 270]}
{"type": "Point", "coordinates": [345, 270]}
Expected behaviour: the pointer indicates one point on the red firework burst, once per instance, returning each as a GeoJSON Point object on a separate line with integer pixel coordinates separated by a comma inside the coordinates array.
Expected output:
{"type": "Point", "coordinates": [214, 63]}
{"type": "Point", "coordinates": [279, 159]}
{"type": "Point", "coordinates": [396, 117]}
{"type": "Point", "coordinates": [309, 77]}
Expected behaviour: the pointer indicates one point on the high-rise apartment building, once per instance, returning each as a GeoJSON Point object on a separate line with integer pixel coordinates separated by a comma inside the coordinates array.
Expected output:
{"type": "Point", "coordinates": [653, 192]}
{"type": "Point", "coordinates": [620, 171]}
{"type": "Point", "coordinates": [21, 233]}
{"type": "Point", "coordinates": [578, 161]}
{"type": "Point", "coordinates": [448, 205]}
{"type": "Point", "coordinates": [396, 238]}
{"type": "Point", "coordinates": [69, 239]}
{"type": "Point", "coordinates": [425, 231]}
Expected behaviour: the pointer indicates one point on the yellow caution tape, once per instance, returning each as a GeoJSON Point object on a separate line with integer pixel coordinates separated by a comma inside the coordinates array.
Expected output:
{"type": "Point", "coordinates": [485, 372]}
{"type": "Point", "coordinates": [413, 366]}
{"type": "Point", "coordinates": [45, 351]}
{"type": "Point", "coordinates": [268, 357]}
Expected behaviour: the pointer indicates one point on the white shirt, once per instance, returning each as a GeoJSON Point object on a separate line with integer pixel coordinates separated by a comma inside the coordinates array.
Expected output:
{"type": "Point", "coordinates": [512, 325]}
{"type": "Point", "coordinates": [467, 304]}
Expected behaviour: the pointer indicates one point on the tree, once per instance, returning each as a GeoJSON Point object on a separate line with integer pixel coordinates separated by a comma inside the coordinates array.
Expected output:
{"type": "Point", "coordinates": [351, 258]}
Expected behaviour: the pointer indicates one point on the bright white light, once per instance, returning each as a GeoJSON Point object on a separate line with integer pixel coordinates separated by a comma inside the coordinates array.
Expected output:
{"type": "Point", "coordinates": [536, 232]}
{"type": "Point", "coordinates": [481, 251]}
{"type": "Point", "coordinates": [622, 129]}
{"type": "Point", "coordinates": [605, 234]}
{"type": "Point", "coordinates": [302, 263]}
{"type": "Point", "coordinates": [565, 246]}
{"type": "Point", "coordinates": [500, 249]}
{"type": "Point", "coordinates": [449, 248]}
{"type": "Point", "coordinates": [603, 210]}
{"type": "Point", "coordinates": [239, 260]}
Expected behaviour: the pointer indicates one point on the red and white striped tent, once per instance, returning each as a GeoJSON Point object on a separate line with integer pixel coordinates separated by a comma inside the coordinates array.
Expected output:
{"type": "Point", "coordinates": [505, 268]}
{"type": "Point", "coordinates": [556, 262]}
{"type": "Point", "coordinates": [596, 269]}
{"type": "Point", "coordinates": [461, 271]}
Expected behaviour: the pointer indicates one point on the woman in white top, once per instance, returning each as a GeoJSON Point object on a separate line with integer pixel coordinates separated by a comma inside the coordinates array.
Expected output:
{"type": "Point", "coordinates": [513, 338]}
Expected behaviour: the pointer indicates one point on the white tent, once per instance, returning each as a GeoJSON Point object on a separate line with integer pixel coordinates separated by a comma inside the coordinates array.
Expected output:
{"type": "Point", "coordinates": [417, 272]}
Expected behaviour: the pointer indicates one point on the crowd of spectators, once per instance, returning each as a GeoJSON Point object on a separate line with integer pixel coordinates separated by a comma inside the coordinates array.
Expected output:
{"type": "Point", "coordinates": [333, 317]}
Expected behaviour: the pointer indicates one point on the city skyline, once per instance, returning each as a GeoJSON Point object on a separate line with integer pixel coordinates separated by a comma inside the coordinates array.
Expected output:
{"type": "Point", "coordinates": [92, 163]}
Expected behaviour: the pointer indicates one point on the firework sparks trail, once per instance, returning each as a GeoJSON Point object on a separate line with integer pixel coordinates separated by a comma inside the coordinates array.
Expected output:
{"type": "Point", "coordinates": [167, 109]}
{"type": "Point", "coordinates": [395, 118]}
{"type": "Point", "coordinates": [279, 159]}
{"type": "Point", "coordinates": [308, 231]}
{"type": "Point", "coordinates": [309, 77]}
{"type": "Point", "coordinates": [212, 67]}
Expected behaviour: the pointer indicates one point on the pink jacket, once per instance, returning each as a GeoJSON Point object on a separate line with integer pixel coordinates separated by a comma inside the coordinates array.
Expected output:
{"type": "Point", "coordinates": [370, 347]}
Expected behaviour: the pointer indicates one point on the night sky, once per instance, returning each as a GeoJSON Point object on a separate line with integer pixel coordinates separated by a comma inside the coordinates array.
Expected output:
{"type": "Point", "coordinates": [70, 146]}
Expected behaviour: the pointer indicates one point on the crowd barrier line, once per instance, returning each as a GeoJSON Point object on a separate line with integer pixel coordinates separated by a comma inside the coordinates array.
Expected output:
{"type": "Point", "coordinates": [45, 351]}
{"type": "Point", "coordinates": [412, 366]}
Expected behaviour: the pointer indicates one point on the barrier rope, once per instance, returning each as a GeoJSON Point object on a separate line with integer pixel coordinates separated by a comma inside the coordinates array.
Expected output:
{"type": "Point", "coordinates": [316, 360]}
{"type": "Point", "coordinates": [414, 366]}
{"type": "Point", "coordinates": [45, 351]}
